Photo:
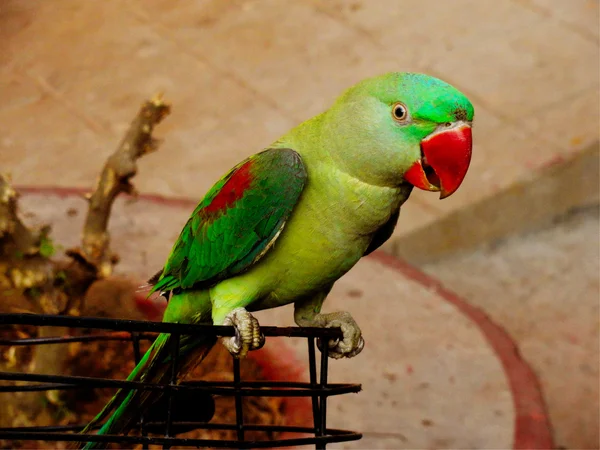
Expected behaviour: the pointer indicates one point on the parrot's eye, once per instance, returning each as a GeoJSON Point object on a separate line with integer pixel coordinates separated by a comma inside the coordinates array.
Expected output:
{"type": "Point", "coordinates": [400, 112]}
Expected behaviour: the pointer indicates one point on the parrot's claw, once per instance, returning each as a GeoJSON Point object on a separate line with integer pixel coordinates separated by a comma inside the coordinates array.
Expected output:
{"type": "Point", "coordinates": [247, 333]}
{"type": "Point", "coordinates": [352, 342]}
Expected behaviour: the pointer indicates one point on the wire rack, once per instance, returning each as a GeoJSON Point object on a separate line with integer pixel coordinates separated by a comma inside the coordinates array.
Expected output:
{"type": "Point", "coordinates": [317, 389]}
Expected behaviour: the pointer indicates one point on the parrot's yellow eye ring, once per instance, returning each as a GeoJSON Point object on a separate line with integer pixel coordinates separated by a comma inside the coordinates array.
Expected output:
{"type": "Point", "coordinates": [399, 112]}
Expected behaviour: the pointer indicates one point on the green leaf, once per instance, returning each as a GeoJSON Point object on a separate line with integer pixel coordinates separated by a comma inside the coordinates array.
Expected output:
{"type": "Point", "coordinates": [46, 247]}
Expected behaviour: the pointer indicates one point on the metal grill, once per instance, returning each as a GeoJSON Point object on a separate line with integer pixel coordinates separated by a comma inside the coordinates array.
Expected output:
{"type": "Point", "coordinates": [318, 388]}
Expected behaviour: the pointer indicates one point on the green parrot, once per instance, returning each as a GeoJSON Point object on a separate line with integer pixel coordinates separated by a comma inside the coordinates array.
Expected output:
{"type": "Point", "coordinates": [282, 226]}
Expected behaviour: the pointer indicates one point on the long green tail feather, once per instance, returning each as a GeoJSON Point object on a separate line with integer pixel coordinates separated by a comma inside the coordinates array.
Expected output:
{"type": "Point", "coordinates": [153, 367]}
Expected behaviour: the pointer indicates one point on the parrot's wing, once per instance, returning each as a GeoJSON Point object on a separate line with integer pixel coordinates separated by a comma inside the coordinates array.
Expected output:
{"type": "Point", "coordinates": [237, 222]}
{"type": "Point", "coordinates": [384, 233]}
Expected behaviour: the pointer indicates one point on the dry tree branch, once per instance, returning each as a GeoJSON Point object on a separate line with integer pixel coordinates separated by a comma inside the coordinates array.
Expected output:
{"type": "Point", "coordinates": [14, 235]}
{"type": "Point", "coordinates": [57, 286]}
{"type": "Point", "coordinates": [26, 284]}
{"type": "Point", "coordinates": [31, 281]}
{"type": "Point", "coordinates": [114, 179]}
{"type": "Point", "coordinates": [23, 251]}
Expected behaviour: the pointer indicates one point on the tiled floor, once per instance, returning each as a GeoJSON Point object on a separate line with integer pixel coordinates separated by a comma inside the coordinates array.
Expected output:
{"type": "Point", "coordinates": [241, 72]}
{"type": "Point", "coordinates": [543, 288]}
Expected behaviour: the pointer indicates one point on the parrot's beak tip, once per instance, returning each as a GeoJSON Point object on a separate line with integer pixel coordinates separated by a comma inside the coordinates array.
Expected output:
{"type": "Point", "coordinates": [445, 159]}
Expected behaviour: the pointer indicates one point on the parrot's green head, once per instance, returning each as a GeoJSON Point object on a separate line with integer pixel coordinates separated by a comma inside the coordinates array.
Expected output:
{"type": "Point", "coordinates": [402, 128]}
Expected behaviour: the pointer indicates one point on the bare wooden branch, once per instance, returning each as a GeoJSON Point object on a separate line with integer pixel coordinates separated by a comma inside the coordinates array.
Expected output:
{"type": "Point", "coordinates": [15, 237]}
{"type": "Point", "coordinates": [23, 251]}
{"type": "Point", "coordinates": [114, 179]}
{"type": "Point", "coordinates": [31, 282]}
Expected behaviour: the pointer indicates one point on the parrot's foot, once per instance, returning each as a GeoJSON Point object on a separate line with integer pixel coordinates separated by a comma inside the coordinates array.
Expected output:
{"type": "Point", "coordinates": [247, 333]}
{"type": "Point", "coordinates": [352, 342]}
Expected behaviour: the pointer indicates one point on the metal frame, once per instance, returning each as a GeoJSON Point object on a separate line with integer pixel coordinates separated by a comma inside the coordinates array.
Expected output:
{"type": "Point", "coordinates": [318, 390]}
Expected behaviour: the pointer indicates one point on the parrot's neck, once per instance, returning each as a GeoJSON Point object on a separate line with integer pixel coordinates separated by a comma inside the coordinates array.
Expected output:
{"type": "Point", "coordinates": [361, 208]}
{"type": "Point", "coordinates": [347, 149]}
{"type": "Point", "coordinates": [350, 202]}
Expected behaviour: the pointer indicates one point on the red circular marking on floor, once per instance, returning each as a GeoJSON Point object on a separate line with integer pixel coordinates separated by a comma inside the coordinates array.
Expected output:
{"type": "Point", "coordinates": [532, 424]}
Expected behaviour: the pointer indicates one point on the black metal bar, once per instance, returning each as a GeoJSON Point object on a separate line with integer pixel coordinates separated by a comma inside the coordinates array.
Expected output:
{"type": "Point", "coordinates": [247, 388]}
{"type": "Point", "coordinates": [158, 327]}
{"type": "Point", "coordinates": [204, 426]}
{"type": "Point", "coordinates": [323, 386]}
{"type": "Point", "coordinates": [69, 339]}
{"type": "Point", "coordinates": [333, 436]}
{"type": "Point", "coordinates": [174, 338]}
{"type": "Point", "coordinates": [137, 354]}
{"type": "Point", "coordinates": [312, 373]}
{"type": "Point", "coordinates": [135, 331]}
{"type": "Point", "coordinates": [135, 340]}
{"type": "Point", "coordinates": [37, 387]}
{"type": "Point", "coordinates": [261, 384]}
{"type": "Point", "coordinates": [300, 391]}
{"type": "Point", "coordinates": [239, 412]}
{"type": "Point", "coordinates": [92, 382]}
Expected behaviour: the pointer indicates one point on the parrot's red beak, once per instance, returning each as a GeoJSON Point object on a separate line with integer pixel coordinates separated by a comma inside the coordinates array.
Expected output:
{"type": "Point", "coordinates": [445, 158]}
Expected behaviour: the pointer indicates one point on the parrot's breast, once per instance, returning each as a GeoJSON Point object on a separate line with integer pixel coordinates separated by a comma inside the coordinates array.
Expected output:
{"type": "Point", "coordinates": [327, 233]}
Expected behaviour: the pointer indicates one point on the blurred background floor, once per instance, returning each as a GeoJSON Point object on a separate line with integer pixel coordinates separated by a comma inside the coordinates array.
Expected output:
{"type": "Point", "coordinates": [543, 287]}
{"type": "Point", "coordinates": [239, 73]}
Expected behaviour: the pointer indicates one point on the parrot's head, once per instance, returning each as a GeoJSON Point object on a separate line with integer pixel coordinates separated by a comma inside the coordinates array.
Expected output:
{"type": "Point", "coordinates": [403, 128]}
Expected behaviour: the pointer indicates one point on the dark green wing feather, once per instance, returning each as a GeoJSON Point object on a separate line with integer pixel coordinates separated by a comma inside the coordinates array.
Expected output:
{"type": "Point", "coordinates": [383, 233]}
{"type": "Point", "coordinates": [237, 221]}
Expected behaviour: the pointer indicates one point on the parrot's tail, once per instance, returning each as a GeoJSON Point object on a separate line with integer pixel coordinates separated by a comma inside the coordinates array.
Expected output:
{"type": "Point", "coordinates": [154, 367]}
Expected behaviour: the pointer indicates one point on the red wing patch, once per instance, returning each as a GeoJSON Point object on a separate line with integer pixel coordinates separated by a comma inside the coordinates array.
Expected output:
{"type": "Point", "coordinates": [232, 190]}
